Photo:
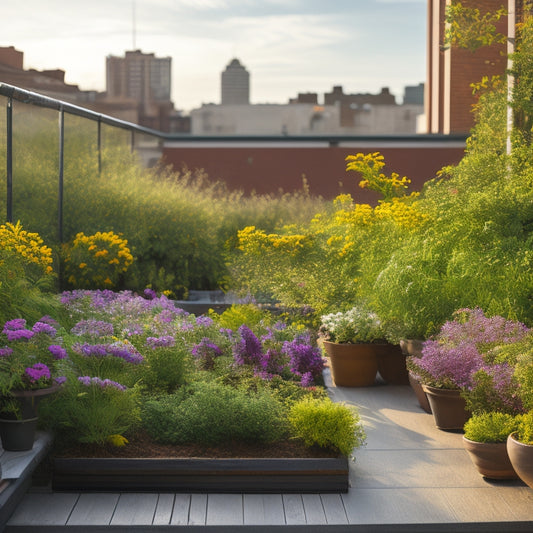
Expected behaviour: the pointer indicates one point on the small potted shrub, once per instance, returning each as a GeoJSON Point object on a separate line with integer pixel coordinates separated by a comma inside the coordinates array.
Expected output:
{"type": "Point", "coordinates": [451, 359]}
{"type": "Point", "coordinates": [485, 441]}
{"type": "Point", "coordinates": [352, 340]}
{"type": "Point", "coordinates": [520, 448]}
{"type": "Point", "coordinates": [30, 364]}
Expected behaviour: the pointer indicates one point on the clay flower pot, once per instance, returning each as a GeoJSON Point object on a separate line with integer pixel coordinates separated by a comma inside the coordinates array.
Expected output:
{"type": "Point", "coordinates": [521, 457]}
{"type": "Point", "coordinates": [352, 365]}
{"type": "Point", "coordinates": [448, 408]}
{"type": "Point", "coordinates": [490, 459]}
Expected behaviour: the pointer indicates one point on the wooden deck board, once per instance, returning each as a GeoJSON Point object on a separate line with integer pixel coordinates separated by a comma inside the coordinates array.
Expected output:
{"type": "Point", "coordinates": [135, 509]}
{"type": "Point", "coordinates": [94, 509]}
{"type": "Point", "coordinates": [48, 509]}
{"type": "Point", "coordinates": [263, 509]}
{"type": "Point", "coordinates": [294, 509]}
{"type": "Point", "coordinates": [334, 509]}
{"type": "Point", "coordinates": [198, 510]}
{"type": "Point", "coordinates": [180, 512]}
{"type": "Point", "coordinates": [224, 509]}
{"type": "Point", "coordinates": [314, 510]}
{"type": "Point", "coordinates": [163, 511]}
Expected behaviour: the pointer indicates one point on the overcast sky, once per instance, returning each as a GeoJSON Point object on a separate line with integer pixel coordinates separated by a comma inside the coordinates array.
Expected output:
{"type": "Point", "coordinates": [288, 46]}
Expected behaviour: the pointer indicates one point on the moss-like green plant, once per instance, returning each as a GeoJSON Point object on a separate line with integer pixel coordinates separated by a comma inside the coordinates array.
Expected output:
{"type": "Point", "coordinates": [327, 424]}
{"type": "Point", "coordinates": [524, 431]}
{"type": "Point", "coordinates": [211, 413]}
{"type": "Point", "coordinates": [490, 427]}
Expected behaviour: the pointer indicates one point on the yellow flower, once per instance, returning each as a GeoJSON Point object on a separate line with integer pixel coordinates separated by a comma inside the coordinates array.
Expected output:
{"type": "Point", "coordinates": [117, 440]}
{"type": "Point", "coordinates": [83, 265]}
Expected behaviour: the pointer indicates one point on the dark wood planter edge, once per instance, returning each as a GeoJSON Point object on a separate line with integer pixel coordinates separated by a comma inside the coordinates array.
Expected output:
{"type": "Point", "coordinates": [270, 475]}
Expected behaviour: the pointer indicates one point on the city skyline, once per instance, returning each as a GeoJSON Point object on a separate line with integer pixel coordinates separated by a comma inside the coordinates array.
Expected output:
{"type": "Point", "coordinates": [288, 46]}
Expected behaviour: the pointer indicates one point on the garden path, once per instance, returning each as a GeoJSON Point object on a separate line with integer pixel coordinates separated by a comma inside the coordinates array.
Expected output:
{"type": "Point", "coordinates": [409, 477]}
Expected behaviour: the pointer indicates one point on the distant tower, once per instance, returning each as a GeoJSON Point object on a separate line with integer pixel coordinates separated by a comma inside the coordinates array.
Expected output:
{"type": "Point", "coordinates": [142, 77]}
{"type": "Point", "coordinates": [235, 84]}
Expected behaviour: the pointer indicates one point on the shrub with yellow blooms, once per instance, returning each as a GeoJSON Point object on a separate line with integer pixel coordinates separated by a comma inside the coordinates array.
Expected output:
{"type": "Point", "coordinates": [332, 261]}
{"type": "Point", "coordinates": [96, 261]}
{"type": "Point", "coordinates": [29, 247]}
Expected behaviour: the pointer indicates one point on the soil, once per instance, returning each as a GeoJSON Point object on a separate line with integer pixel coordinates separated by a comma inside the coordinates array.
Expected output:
{"type": "Point", "coordinates": [142, 446]}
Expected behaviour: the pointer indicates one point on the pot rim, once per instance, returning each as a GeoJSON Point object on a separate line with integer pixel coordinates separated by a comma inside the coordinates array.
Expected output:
{"type": "Point", "coordinates": [478, 442]}
{"type": "Point", "coordinates": [516, 441]}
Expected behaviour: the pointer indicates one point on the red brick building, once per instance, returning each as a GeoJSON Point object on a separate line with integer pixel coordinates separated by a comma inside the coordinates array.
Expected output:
{"type": "Point", "coordinates": [450, 71]}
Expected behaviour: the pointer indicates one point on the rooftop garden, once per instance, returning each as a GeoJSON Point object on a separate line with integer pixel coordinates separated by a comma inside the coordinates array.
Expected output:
{"type": "Point", "coordinates": [96, 315]}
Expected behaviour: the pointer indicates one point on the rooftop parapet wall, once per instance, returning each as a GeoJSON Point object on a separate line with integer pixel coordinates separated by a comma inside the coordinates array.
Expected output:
{"type": "Point", "coordinates": [268, 165]}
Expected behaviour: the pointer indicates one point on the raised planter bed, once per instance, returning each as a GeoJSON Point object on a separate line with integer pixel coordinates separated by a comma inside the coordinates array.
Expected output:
{"type": "Point", "coordinates": [227, 475]}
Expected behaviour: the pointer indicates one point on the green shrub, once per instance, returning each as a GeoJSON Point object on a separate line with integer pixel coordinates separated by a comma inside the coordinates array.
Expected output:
{"type": "Point", "coordinates": [490, 427]}
{"type": "Point", "coordinates": [211, 413]}
{"type": "Point", "coordinates": [166, 367]}
{"type": "Point", "coordinates": [91, 411]}
{"type": "Point", "coordinates": [524, 431]}
{"type": "Point", "coordinates": [327, 424]}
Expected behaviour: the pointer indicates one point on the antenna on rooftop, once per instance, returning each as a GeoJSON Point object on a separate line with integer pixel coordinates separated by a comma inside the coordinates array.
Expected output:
{"type": "Point", "coordinates": [133, 25]}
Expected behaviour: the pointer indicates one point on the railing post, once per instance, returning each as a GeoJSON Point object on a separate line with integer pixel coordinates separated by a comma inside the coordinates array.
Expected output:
{"type": "Point", "coordinates": [132, 142]}
{"type": "Point", "coordinates": [61, 166]}
{"type": "Point", "coordinates": [9, 160]}
{"type": "Point", "coordinates": [99, 145]}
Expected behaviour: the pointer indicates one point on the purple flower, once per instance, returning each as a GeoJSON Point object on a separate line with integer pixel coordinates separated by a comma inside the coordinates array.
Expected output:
{"type": "Point", "coordinates": [248, 350]}
{"type": "Point", "coordinates": [94, 328]}
{"type": "Point", "coordinates": [16, 335]}
{"type": "Point", "coordinates": [37, 371]}
{"type": "Point", "coordinates": [60, 380]}
{"type": "Point", "coordinates": [123, 350]}
{"type": "Point", "coordinates": [165, 341]}
{"type": "Point", "coordinates": [204, 321]}
{"type": "Point", "coordinates": [57, 351]}
{"type": "Point", "coordinates": [205, 353]}
{"type": "Point", "coordinates": [49, 320]}
{"type": "Point", "coordinates": [150, 294]}
{"type": "Point", "coordinates": [450, 367]}
{"type": "Point", "coordinates": [43, 327]}
{"type": "Point", "coordinates": [307, 380]}
{"type": "Point", "coordinates": [304, 358]}
{"type": "Point", "coordinates": [101, 383]}
{"type": "Point", "coordinates": [6, 351]}
{"type": "Point", "coordinates": [13, 325]}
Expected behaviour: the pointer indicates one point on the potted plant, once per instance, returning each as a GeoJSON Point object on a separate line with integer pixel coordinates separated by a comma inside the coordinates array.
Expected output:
{"type": "Point", "coordinates": [352, 340]}
{"type": "Point", "coordinates": [485, 441]}
{"type": "Point", "coordinates": [29, 371]}
{"type": "Point", "coordinates": [450, 360]}
{"type": "Point", "coordinates": [520, 448]}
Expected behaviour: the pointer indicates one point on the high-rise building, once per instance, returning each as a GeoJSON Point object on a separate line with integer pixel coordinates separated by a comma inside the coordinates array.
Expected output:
{"type": "Point", "coordinates": [143, 82]}
{"type": "Point", "coordinates": [139, 76]}
{"type": "Point", "coordinates": [235, 84]}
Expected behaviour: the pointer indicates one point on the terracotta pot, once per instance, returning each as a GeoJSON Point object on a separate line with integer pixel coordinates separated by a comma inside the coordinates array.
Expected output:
{"type": "Point", "coordinates": [352, 365]}
{"type": "Point", "coordinates": [391, 364]}
{"type": "Point", "coordinates": [419, 392]}
{"type": "Point", "coordinates": [412, 347]}
{"type": "Point", "coordinates": [490, 459]}
{"type": "Point", "coordinates": [521, 457]}
{"type": "Point", "coordinates": [448, 408]}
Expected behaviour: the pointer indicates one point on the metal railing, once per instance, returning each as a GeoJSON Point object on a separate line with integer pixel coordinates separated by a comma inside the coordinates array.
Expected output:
{"type": "Point", "coordinates": [14, 94]}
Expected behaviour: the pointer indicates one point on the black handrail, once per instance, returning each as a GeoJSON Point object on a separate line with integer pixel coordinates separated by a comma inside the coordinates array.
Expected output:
{"type": "Point", "coordinates": [29, 97]}
{"type": "Point", "coordinates": [32, 98]}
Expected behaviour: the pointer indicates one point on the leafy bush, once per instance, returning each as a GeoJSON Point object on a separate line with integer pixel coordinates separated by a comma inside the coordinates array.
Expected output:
{"type": "Point", "coordinates": [212, 413]}
{"type": "Point", "coordinates": [524, 432]}
{"type": "Point", "coordinates": [327, 424]}
{"type": "Point", "coordinates": [96, 261]}
{"type": "Point", "coordinates": [91, 410]}
{"type": "Point", "coordinates": [490, 427]}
